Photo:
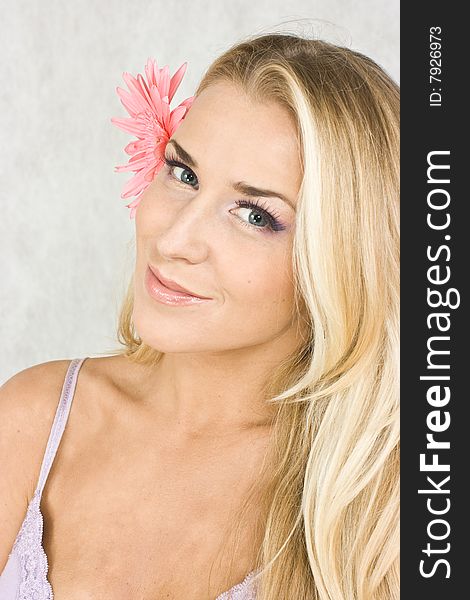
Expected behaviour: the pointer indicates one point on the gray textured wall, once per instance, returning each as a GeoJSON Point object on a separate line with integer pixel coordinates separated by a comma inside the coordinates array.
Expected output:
{"type": "Point", "coordinates": [65, 233]}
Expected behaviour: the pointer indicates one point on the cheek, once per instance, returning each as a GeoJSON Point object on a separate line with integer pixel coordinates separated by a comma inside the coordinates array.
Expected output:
{"type": "Point", "coordinates": [149, 212]}
{"type": "Point", "coordinates": [262, 277]}
{"type": "Point", "coordinates": [154, 214]}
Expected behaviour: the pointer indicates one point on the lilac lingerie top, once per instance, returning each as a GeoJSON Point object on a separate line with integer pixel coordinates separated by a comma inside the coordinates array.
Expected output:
{"type": "Point", "coordinates": [25, 574]}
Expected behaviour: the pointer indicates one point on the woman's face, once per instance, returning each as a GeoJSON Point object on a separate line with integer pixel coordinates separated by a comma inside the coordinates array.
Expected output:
{"type": "Point", "coordinates": [199, 229]}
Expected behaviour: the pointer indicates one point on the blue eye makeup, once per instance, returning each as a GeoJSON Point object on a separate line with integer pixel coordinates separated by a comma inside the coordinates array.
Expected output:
{"type": "Point", "coordinates": [256, 210]}
{"type": "Point", "coordinates": [260, 217]}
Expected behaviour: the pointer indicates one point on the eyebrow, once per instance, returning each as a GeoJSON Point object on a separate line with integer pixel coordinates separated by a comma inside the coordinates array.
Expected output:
{"type": "Point", "coordinates": [239, 186]}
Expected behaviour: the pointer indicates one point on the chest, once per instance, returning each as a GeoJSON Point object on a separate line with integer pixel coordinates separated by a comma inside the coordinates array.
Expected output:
{"type": "Point", "coordinates": [150, 524]}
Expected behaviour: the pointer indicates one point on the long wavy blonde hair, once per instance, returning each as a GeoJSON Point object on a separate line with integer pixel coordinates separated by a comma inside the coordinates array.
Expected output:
{"type": "Point", "coordinates": [331, 524]}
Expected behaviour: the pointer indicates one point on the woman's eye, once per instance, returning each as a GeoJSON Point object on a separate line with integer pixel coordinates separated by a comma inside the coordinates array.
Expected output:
{"type": "Point", "coordinates": [257, 217]}
{"type": "Point", "coordinates": [181, 172]}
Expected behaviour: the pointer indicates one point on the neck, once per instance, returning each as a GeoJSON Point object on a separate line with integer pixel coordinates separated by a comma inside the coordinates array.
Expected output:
{"type": "Point", "coordinates": [206, 393]}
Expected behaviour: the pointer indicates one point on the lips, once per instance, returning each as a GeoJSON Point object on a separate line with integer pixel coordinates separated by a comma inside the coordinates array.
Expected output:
{"type": "Point", "coordinates": [172, 285]}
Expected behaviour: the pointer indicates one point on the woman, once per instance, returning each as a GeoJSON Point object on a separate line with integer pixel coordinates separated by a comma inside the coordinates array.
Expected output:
{"type": "Point", "coordinates": [244, 441]}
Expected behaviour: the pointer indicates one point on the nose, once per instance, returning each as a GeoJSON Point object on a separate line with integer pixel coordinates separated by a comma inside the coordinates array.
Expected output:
{"type": "Point", "coordinates": [189, 231]}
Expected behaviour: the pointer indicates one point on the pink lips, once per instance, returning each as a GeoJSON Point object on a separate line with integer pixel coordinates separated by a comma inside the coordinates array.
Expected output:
{"type": "Point", "coordinates": [159, 288]}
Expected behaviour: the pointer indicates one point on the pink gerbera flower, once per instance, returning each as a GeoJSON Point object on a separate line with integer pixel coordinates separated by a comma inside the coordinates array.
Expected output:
{"type": "Point", "coordinates": [151, 121]}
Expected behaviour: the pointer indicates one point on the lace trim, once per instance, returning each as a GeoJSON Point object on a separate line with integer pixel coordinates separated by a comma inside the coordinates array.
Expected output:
{"type": "Point", "coordinates": [32, 557]}
{"type": "Point", "coordinates": [245, 590]}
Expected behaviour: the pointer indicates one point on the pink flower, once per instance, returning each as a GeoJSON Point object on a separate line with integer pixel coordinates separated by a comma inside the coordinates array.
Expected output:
{"type": "Point", "coordinates": [151, 121]}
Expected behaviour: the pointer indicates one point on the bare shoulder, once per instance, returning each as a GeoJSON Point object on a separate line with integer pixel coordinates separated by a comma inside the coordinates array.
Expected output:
{"type": "Point", "coordinates": [28, 401]}
{"type": "Point", "coordinates": [28, 398]}
{"type": "Point", "coordinates": [27, 405]}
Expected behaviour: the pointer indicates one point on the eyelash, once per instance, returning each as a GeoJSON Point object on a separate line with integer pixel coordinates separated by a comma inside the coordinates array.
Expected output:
{"type": "Point", "coordinates": [272, 218]}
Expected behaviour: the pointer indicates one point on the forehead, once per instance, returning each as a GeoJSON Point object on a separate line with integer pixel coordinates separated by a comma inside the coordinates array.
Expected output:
{"type": "Point", "coordinates": [253, 141]}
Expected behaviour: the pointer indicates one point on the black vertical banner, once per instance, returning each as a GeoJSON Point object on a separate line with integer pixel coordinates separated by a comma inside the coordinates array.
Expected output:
{"type": "Point", "coordinates": [435, 260]}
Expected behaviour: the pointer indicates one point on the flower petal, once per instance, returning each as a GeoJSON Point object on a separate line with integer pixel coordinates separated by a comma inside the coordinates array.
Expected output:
{"type": "Point", "coordinates": [149, 72]}
{"type": "Point", "coordinates": [176, 80]}
{"type": "Point", "coordinates": [150, 175]}
{"type": "Point", "coordinates": [134, 209]}
{"type": "Point", "coordinates": [157, 103]}
{"type": "Point", "coordinates": [131, 102]}
{"type": "Point", "coordinates": [124, 168]}
{"type": "Point", "coordinates": [188, 102]}
{"type": "Point", "coordinates": [145, 90]}
{"type": "Point", "coordinates": [160, 164]}
{"type": "Point", "coordinates": [165, 113]}
{"type": "Point", "coordinates": [137, 146]}
{"type": "Point", "coordinates": [135, 185]}
{"type": "Point", "coordinates": [160, 146]}
{"type": "Point", "coordinates": [136, 201]}
{"type": "Point", "coordinates": [175, 118]}
{"type": "Point", "coordinates": [133, 205]}
{"type": "Point", "coordinates": [130, 125]}
{"type": "Point", "coordinates": [135, 88]}
{"type": "Point", "coordinates": [136, 163]}
{"type": "Point", "coordinates": [164, 85]}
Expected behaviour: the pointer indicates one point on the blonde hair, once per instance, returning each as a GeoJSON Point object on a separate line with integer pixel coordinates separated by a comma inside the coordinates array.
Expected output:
{"type": "Point", "coordinates": [332, 507]}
